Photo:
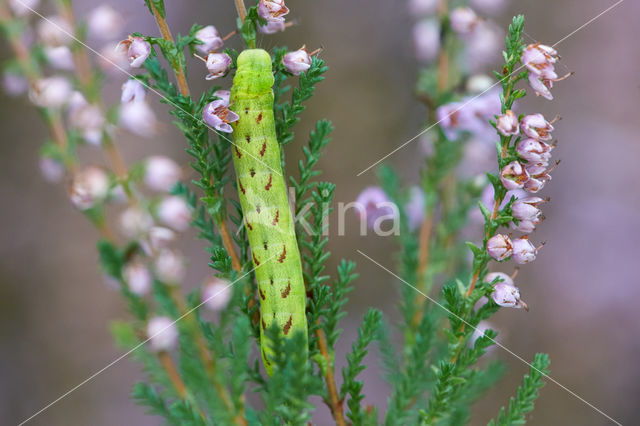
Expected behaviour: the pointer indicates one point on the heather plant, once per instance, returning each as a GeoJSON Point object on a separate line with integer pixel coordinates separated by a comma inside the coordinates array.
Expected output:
{"type": "Point", "coordinates": [272, 344]}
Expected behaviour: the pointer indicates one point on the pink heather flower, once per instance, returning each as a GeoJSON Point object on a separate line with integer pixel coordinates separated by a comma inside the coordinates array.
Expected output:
{"type": "Point", "coordinates": [508, 296]}
{"type": "Point", "coordinates": [514, 175]}
{"type": "Point", "coordinates": [50, 92]}
{"type": "Point", "coordinates": [86, 118]}
{"type": "Point", "coordinates": [23, 8]}
{"type": "Point", "coordinates": [527, 208]}
{"type": "Point", "coordinates": [210, 39]}
{"type": "Point", "coordinates": [14, 84]}
{"type": "Point", "coordinates": [217, 115]}
{"type": "Point", "coordinates": [534, 151]}
{"type": "Point", "coordinates": [137, 277]}
{"type": "Point", "coordinates": [138, 118]}
{"type": "Point", "coordinates": [135, 222]}
{"type": "Point", "coordinates": [489, 6]}
{"type": "Point", "coordinates": [543, 83]}
{"type": "Point", "coordinates": [216, 294]}
{"type": "Point", "coordinates": [161, 173]}
{"type": "Point", "coordinates": [157, 238]}
{"type": "Point", "coordinates": [500, 276]}
{"type": "Point", "coordinates": [537, 127]}
{"type": "Point", "coordinates": [463, 20]}
{"type": "Point", "coordinates": [483, 45]}
{"type": "Point", "coordinates": [499, 247]}
{"type": "Point", "coordinates": [137, 50]}
{"type": "Point", "coordinates": [426, 39]}
{"type": "Point", "coordinates": [104, 23]}
{"type": "Point", "coordinates": [272, 27]}
{"type": "Point", "coordinates": [297, 62]}
{"type": "Point", "coordinates": [507, 124]}
{"type": "Point", "coordinates": [133, 91]}
{"type": "Point", "coordinates": [478, 332]}
{"type": "Point", "coordinates": [414, 209]}
{"type": "Point", "coordinates": [470, 115]}
{"type": "Point", "coordinates": [217, 64]}
{"type": "Point", "coordinates": [539, 58]}
{"type": "Point", "coordinates": [224, 95]}
{"type": "Point", "coordinates": [89, 187]}
{"type": "Point", "coordinates": [272, 10]}
{"type": "Point", "coordinates": [523, 251]}
{"type": "Point", "coordinates": [174, 212]}
{"type": "Point", "coordinates": [421, 8]}
{"type": "Point", "coordinates": [169, 267]}
{"type": "Point", "coordinates": [539, 176]}
{"type": "Point", "coordinates": [51, 170]}
{"type": "Point", "coordinates": [374, 204]}
{"type": "Point", "coordinates": [59, 57]}
{"type": "Point", "coordinates": [112, 59]}
{"type": "Point", "coordinates": [162, 333]}
{"type": "Point", "coordinates": [54, 31]}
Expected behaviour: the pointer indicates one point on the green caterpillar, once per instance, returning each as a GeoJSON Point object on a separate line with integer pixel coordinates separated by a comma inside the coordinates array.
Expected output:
{"type": "Point", "coordinates": [263, 197]}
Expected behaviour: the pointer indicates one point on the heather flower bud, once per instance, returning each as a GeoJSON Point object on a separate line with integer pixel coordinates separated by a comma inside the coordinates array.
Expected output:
{"type": "Point", "coordinates": [135, 222]}
{"type": "Point", "coordinates": [51, 170]}
{"type": "Point", "coordinates": [483, 45]}
{"type": "Point", "coordinates": [373, 204]}
{"type": "Point", "coordinates": [210, 39]}
{"type": "Point", "coordinates": [23, 8]}
{"type": "Point", "coordinates": [217, 64]}
{"type": "Point", "coordinates": [137, 50]}
{"type": "Point", "coordinates": [54, 31]}
{"type": "Point", "coordinates": [507, 124]}
{"type": "Point", "coordinates": [132, 91]}
{"type": "Point", "coordinates": [272, 27]}
{"type": "Point", "coordinates": [463, 20]}
{"type": "Point", "coordinates": [422, 8]}
{"type": "Point", "coordinates": [514, 175]}
{"type": "Point", "coordinates": [137, 277]}
{"type": "Point", "coordinates": [14, 84]}
{"type": "Point", "coordinates": [112, 59]}
{"type": "Point", "coordinates": [534, 151]}
{"type": "Point", "coordinates": [51, 92]}
{"type": "Point", "coordinates": [174, 212]}
{"type": "Point", "coordinates": [157, 238]}
{"type": "Point", "coordinates": [414, 209]}
{"type": "Point", "coordinates": [272, 10]}
{"type": "Point", "coordinates": [89, 186]}
{"type": "Point", "coordinates": [217, 115]}
{"type": "Point", "coordinates": [297, 62]}
{"type": "Point", "coordinates": [426, 39]}
{"type": "Point", "coordinates": [539, 176]}
{"type": "Point", "coordinates": [500, 276]}
{"type": "Point", "coordinates": [527, 208]}
{"type": "Point", "coordinates": [523, 251]}
{"type": "Point", "coordinates": [88, 119]}
{"type": "Point", "coordinates": [138, 118]}
{"type": "Point", "coordinates": [224, 95]}
{"type": "Point", "coordinates": [508, 296]}
{"type": "Point", "coordinates": [216, 294]}
{"type": "Point", "coordinates": [169, 267]}
{"type": "Point", "coordinates": [104, 22]}
{"type": "Point", "coordinates": [543, 83]}
{"type": "Point", "coordinates": [499, 247]}
{"type": "Point", "coordinates": [539, 57]}
{"type": "Point", "coordinates": [59, 57]}
{"type": "Point", "coordinates": [162, 333]}
{"type": "Point", "coordinates": [537, 127]}
{"type": "Point", "coordinates": [479, 83]}
{"type": "Point", "coordinates": [161, 173]}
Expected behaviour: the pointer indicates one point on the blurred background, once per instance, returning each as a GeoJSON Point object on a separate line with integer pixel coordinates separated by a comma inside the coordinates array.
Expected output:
{"type": "Point", "coordinates": [583, 289]}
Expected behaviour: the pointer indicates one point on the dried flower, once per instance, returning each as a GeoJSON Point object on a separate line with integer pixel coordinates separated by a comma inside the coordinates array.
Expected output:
{"type": "Point", "coordinates": [217, 115]}
{"type": "Point", "coordinates": [514, 175]}
{"type": "Point", "coordinates": [162, 333]}
{"type": "Point", "coordinates": [54, 31]}
{"type": "Point", "coordinates": [272, 10]}
{"type": "Point", "coordinates": [169, 267]}
{"type": "Point", "coordinates": [104, 23]}
{"type": "Point", "coordinates": [537, 127]}
{"type": "Point", "coordinates": [507, 124]}
{"type": "Point", "coordinates": [23, 7]}
{"type": "Point", "coordinates": [51, 170]}
{"type": "Point", "coordinates": [88, 187]}
{"type": "Point", "coordinates": [463, 20]}
{"type": "Point", "coordinates": [138, 118]}
{"type": "Point", "coordinates": [133, 91]}
{"type": "Point", "coordinates": [50, 92]}
{"type": "Point", "coordinates": [297, 62]}
{"type": "Point", "coordinates": [216, 294]}
{"type": "Point", "coordinates": [59, 57]}
{"type": "Point", "coordinates": [426, 39]}
{"type": "Point", "coordinates": [210, 39]}
{"type": "Point", "coordinates": [499, 247]}
{"type": "Point", "coordinates": [174, 212]}
{"type": "Point", "coordinates": [272, 27]}
{"type": "Point", "coordinates": [508, 296]}
{"type": "Point", "coordinates": [161, 173]}
{"type": "Point", "coordinates": [135, 221]}
{"type": "Point", "coordinates": [137, 50]}
{"type": "Point", "coordinates": [137, 277]}
{"type": "Point", "coordinates": [534, 151]}
{"type": "Point", "coordinates": [523, 251]}
{"type": "Point", "coordinates": [218, 64]}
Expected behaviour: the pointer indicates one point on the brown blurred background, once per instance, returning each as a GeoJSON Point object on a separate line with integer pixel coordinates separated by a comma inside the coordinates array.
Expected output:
{"type": "Point", "coordinates": [583, 289]}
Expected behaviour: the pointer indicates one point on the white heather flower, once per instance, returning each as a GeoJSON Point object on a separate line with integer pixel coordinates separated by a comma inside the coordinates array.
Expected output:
{"type": "Point", "coordinates": [537, 127]}
{"type": "Point", "coordinates": [217, 64]}
{"type": "Point", "coordinates": [133, 91]}
{"type": "Point", "coordinates": [162, 333]}
{"type": "Point", "coordinates": [514, 175]}
{"type": "Point", "coordinates": [224, 95]}
{"type": "Point", "coordinates": [272, 27]}
{"type": "Point", "coordinates": [52, 170]}
{"type": "Point", "coordinates": [89, 186]}
{"type": "Point", "coordinates": [489, 6]}
{"type": "Point", "coordinates": [534, 151]}
{"type": "Point", "coordinates": [137, 50]}
{"type": "Point", "coordinates": [539, 58]}
{"type": "Point", "coordinates": [14, 84]}
{"type": "Point", "coordinates": [426, 39]}
{"type": "Point", "coordinates": [59, 57]}
{"type": "Point", "coordinates": [216, 294]}
{"type": "Point", "coordinates": [499, 247]}
{"type": "Point", "coordinates": [50, 92]}
{"type": "Point", "coordinates": [420, 8]}
{"type": "Point", "coordinates": [104, 23]}
{"type": "Point", "coordinates": [210, 39]}
{"type": "Point", "coordinates": [500, 276]}
{"type": "Point", "coordinates": [137, 277]}
{"type": "Point", "coordinates": [54, 31]}
{"type": "Point", "coordinates": [112, 59]}
{"type": "Point", "coordinates": [23, 8]}
{"type": "Point", "coordinates": [174, 212]}
{"type": "Point", "coordinates": [523, 251]}
{"type": "Point", "coordinates": [88, 119]}
{"type": "Point", "coordinates": [157, 238]}
{"type": "Point", "coordinates": [169, 267]}
{"type": "Point", "coordinates": [479, 83]}
{"type": "Point", "coordinates": [508, 296]}
{"type": "Point", "coordinates": [507, 124]}
{"type": "Point", "coordinates": [414, 209]}
{"type": "Point", "coordinates": [135, 221]}
{"type": "Point", "coordinates": [463, 20]}
{"type": "Point", "coordinates": [217, 115]}
{"type": "Point", "coordinates": [138, 118]}
{"type": "Point", "coordinates": [272, 10]}
{"type": "Point", "coordinates": [297, 62]}
{"type": "Point", "coordinates": [161, 173]}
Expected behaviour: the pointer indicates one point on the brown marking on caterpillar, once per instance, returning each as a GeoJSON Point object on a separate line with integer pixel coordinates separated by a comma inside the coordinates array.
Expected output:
{"type": "Point", "coordinates": [246, 110]}
{"type": "Point", "coordinates": [264, 148]}
{"type": "Point", "coordinates": [259, 118]}
{"type": "Point", "coordinates": [266, 247]}
{"type": "Point", "coordinates": [286, 291]}
{"type": "Point", "coordinates": [238, 153]}
{"type": "Point", "coordinates": [241, 187]}
{"type": "Point", "coordinates": [255, 260]}
{"type": "Point", "coordinates": [268, 186]}
{"type": "Point", "coordinates": [277, 218]}
{"type": "Point", "coordinates": [262, 296]}
{"type": "Point", "coordinates": [287, 326]}
{"type": "Point", "coordinates": [271, 280]}
{"type": "Point", "coordinates": [252, 172]}
{"type": "Point", "coordinates": [264, 326]}
{"type": "Point", "coordinates": [248, 225]}
{"type": "Point", "coordinates": [248, 138]}
{"type": "Point", "coordinates": [264, 356]}
{"type": "Point", "coordinates": [283, 256]}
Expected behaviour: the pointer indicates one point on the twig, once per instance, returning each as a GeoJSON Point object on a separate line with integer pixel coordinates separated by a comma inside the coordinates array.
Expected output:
{"type": "Point", "coordinates": [242, 11]}
{"type": "Point", "coordinates": [335, 403]}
